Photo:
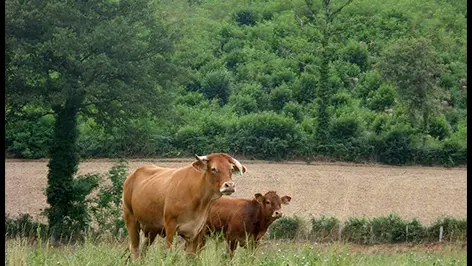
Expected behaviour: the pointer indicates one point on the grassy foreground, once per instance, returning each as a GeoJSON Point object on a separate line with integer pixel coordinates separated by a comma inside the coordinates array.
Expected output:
{"type": "Point", "coordinates": [271, 252]}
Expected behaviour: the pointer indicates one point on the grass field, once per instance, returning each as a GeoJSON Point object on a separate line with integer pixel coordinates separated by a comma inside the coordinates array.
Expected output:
{"type": "Point", "coordinates": [333, 189]}
{"type": "Point", "coordinates": [271, 252]}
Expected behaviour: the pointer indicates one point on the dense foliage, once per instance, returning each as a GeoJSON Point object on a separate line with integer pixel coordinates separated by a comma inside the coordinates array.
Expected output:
{"type": "Point", "coordinates": [380, 81]}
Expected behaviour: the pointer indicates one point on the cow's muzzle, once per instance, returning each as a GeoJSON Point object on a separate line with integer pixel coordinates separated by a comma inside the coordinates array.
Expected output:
{"type": "Point", "coordinates": [277, 214]}
{"type": "Point", "coordinates": [227, 188]}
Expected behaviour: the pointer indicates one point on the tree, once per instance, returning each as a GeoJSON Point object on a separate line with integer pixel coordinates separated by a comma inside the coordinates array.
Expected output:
{"type": "Point", "coordinates": [412, 66]}
{"type": "Point", "coordinates": [323, 22]}
{"type": "Point", "coordinates": [103, 59]}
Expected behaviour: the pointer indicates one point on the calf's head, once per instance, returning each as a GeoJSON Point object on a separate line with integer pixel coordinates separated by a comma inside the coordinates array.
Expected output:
{"type": "Point", "coordinates": [272, 204]}
{"type": "Point", "coordinates": [219, 168]}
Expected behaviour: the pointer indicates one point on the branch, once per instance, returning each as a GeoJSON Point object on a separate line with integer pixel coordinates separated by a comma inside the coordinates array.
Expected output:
{"type": "Point", "coordinates": [332, 15]}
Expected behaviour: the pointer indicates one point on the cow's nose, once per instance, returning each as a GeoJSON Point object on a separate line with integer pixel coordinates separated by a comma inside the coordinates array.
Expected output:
{"type": "Point", "coordinates": [227, 188]}
{"type": "Point", "coordinates": [228, 185]}
{"type": "Point", "coordinates": [277, 214]}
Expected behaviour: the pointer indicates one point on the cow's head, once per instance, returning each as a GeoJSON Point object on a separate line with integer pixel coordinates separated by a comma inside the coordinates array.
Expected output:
{"type": "Point", "coordinates": [219, 168]}
{"type": "Point", "coordinates": [272, 204]}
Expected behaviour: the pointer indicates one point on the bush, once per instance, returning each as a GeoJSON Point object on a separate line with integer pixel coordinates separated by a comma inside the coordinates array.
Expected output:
{"type": "Point", "coordinates": [389, 229]}
{"type": "Point", "coordinates": [217, 84]}
{"type": "Point", "coordinates": [382, 99]}
{"type": "Point", "coordinates": [106, 206]}
{"type": "Point", "coordinates": [29, 139]}
{"type": "Point", "coordinates": [439, 127]}
{"type": "Point", "coordinates": [416, 231]}
{"type": "Point", "coordinates": [356, 230]}
{"type": "Point", "coordinates": [246, 17]}
{"type": "Point", "coordinates": [265, 135]}
{"type": "Point", "coordinates": [324, 229]}
{"type": "Point", "coordinates": [23, 226]}
{"type": "Point", "coordinates": [285, 228]}
{"type": "Point", "coordinates": [395, 146]}
{"type": "Point", "coordinates": [453, 229]}
{"type": "Point", "coordinates": [280, 96]}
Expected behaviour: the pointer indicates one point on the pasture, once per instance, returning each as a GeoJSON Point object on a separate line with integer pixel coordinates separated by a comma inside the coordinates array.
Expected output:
{"type": "Point", "coordinates": [19, 252]}
{"type": "Point", "coordinates": [332, 189]}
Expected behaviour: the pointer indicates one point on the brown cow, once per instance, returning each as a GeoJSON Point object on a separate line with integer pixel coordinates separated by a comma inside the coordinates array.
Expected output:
{"type": "Point", "coordinates": [166, 201]}
{"type": "Point", "coordinates": [243, 219]}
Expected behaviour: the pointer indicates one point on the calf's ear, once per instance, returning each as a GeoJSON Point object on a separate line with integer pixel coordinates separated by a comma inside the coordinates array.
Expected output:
{"type": "Point", "coordinates": [259, 197]}
{"type": "Point", "coordinates": [286, 199]}
{"type": "Point", "coordinates": [201, 163]}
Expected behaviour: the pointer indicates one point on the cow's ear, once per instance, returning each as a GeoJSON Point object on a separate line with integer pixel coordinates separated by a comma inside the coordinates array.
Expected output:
{"type": "Point", "coordinates": [286, 199]}
{"type": "Point", "coordinates": [201, 163]}
{"type": "Point", "coordinates": [244, 169]}
{"type": "Point", "coordinates": [259, 197]}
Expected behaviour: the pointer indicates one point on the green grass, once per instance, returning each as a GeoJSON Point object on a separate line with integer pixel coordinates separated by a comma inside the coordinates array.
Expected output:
{"type": "Point", "coordinates": [271, 252]}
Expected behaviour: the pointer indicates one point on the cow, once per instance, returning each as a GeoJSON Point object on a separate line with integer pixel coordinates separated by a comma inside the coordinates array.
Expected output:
{"type": "Point", "coordinates": [165, 201]}
{"type": "Point", "coordinates": [241, 219]}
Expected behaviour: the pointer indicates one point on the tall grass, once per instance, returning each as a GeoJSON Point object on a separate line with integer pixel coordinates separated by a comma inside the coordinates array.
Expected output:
{"type": "Point", "coordinates": [271, 252]}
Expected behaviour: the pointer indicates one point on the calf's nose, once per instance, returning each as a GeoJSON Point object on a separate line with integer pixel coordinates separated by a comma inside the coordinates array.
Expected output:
{"type": "Point", "coordinates": [277, 214]}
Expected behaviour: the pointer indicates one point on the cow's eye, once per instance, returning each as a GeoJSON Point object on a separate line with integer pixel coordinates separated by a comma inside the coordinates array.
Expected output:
{"type": "Point", "coordinates": [214, 170]}
{"type": "Point", "coordinates": [267, 202]}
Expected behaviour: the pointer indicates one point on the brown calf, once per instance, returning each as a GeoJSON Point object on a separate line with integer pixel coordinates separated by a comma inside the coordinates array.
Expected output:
{"type": "Point", "coordinates": [240, 219]}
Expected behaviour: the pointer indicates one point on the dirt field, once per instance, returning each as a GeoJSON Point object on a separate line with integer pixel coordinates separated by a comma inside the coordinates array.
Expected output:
{"type": "Point", "coordinates": [331, 189]}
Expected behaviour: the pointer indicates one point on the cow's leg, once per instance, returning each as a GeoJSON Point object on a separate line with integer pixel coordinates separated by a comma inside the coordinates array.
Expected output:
{"type": "Point", "coordinates": [133, 231]}
{"type": "Point", "coordinates": [201, 238]}
{"type": "Point", "coordinates": [170, 226]}
{"type": "Point", "coordinates": [232, 245]}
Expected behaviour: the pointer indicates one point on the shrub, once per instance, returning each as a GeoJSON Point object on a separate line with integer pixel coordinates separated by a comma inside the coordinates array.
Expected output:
{"type": "Point", "coordinates": [23, 226]}
{"type": "Point", "coordinates": [344, 127]}
{"type": "Point", "coordinates": [416, 231]}
{"type": "Point", "coordinates": [356, 230]}
{"type": "Point", "coordinates": [280, 96]}
{"type": "Point", "coordinates": [294, 110]}
{"type": "Point", "coordinates": [382, 99]}
{"type": "Point", "coordinates": [265, 135]}
{"type": "Point", "coordinates": [453, 229]}
{"type": "Point", "coordinates": [246, 17]}
{"type": "Point", "coordinates": [395, 146]}
{"type": "Point", "coordinates": [29, 139]}
{"type": "Point", "coordinates": [106, 206]}
{"type": "Point", "coordinates": [285, 228]}
{"type": "Point", "coordinates": [389, 229]}
{"type": "Point", "coordinates": [357, 54]}
{"type": "Point", "coordinates": [324, 229]}
{"type": "Point", "coordinates": [217, 84]}
{"type": "Point", "coordinates": [439, 127]}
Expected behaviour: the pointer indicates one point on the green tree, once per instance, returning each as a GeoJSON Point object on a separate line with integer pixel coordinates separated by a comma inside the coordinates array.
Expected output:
{"type": "Point", "coordinates": [323, 22]}
{"type": "Point", "coordinates": [103, 59]}
{"type": "Point", "coordinates": [411, 64]}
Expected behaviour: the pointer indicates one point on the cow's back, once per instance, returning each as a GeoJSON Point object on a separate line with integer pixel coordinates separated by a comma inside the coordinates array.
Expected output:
{"type": "Point", "coordinates": [144, 191]}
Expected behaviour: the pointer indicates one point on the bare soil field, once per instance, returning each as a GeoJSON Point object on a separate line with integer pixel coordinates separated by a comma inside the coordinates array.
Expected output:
{"type": "Point", "coordinates": [332, 189]}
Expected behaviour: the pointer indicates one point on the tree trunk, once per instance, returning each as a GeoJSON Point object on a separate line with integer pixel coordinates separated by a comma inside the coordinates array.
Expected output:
{"type": "Point", "coordinates": [323, 95]}
{"type": "Point", "coordinates": [63, 164]}
{"type": "Point", "coordinates": [425, 125]}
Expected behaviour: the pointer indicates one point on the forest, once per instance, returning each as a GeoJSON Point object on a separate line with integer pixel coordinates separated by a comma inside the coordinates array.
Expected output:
{"type": "Point", "coordinates": [356, 80]}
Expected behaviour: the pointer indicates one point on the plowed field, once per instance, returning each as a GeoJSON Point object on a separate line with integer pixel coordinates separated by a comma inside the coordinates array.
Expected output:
{"type": "Point", "coordinates": [332, 189]}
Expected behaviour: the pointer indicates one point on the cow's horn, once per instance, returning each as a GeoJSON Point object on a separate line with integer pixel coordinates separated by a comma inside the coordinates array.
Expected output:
{"type": "Point", "coordinates": [238, 164]}
{"type": "Point", "coordinates": [202, 158]}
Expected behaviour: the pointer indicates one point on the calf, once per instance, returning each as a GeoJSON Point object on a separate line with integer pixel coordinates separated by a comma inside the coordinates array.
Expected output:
{"type": "Point", "coordinates": [240, 219]}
